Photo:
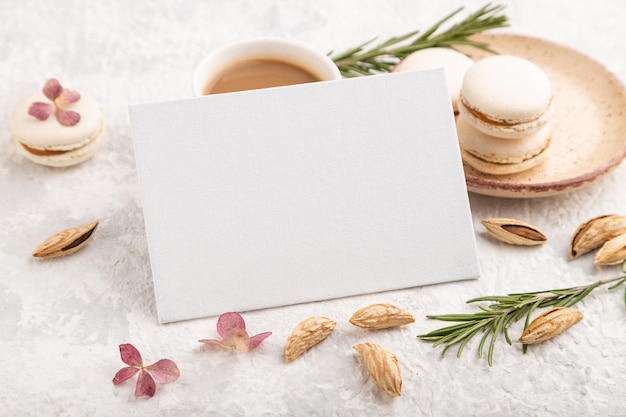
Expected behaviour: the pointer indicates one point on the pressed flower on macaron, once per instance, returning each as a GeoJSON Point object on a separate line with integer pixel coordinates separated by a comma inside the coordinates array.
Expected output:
{"type": "Point", "coordinates": [59, 97]}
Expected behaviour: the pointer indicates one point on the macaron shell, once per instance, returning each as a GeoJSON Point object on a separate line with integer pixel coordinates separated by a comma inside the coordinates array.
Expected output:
{"type": "Point", "coordinates": [49, 134]}
{"type": "Point", "coordinates": [499, 150]}
{"type": "Point", "coordinates": [65, 158]}
{"type": "Point", "coordinates": [507, 89]}
{"type": "Point", "coordinates": [454, 63]}
{"type": "Point", "coordinates": [501, 169]}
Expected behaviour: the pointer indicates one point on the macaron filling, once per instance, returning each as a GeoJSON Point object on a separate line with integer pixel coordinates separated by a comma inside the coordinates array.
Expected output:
{"type": "Point", "coordinates": [500, 121]}
{"type": "Point", "coordinates": [512, 160]}
{"type": "Point", "coordinates": [62, 158]}
{"type": "Point", "coordinates": [41, 152]}
{"type": "Point", "coordinates": [492, 168]}
{"type": "Point", "coordinates": [499, 150]}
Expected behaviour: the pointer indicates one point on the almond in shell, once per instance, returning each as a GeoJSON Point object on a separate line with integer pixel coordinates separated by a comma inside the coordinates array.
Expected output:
{"type": "Point", "coordinates": [595, 232]}
{"type": "Point", "coordinates": [514, 232]}
{"type": "Point", "coordinates": [66, 242]}
{"type": "Point", "coordinates": [381, 316]}
{"type": "Point", "coordinates": [549, 324]}
{"type": "Point", "coordinates": [613, 252]}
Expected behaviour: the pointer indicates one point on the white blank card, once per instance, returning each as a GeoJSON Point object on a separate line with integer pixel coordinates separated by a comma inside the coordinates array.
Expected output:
{"type": "Point", "coordinates": [286, 195]}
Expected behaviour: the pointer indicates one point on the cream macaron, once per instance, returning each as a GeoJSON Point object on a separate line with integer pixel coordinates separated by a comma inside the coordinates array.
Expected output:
{"type": "Point", "coordinates": [57, 127]}
{"type": "Point", "coordinates": [498, 156]}
{"type": "Point", "coordinates": [506, 96]}
{"type": "Point", "coordinates": [454, 63]}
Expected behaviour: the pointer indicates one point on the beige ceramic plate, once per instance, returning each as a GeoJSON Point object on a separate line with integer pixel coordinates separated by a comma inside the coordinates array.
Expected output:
{"type": "Point", "coordinates": [589, 137]}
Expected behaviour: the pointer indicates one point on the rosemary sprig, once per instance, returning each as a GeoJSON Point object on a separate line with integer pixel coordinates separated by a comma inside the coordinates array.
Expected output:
{"type": "Point", "coordinates": [382, 57]}
{"type": "Point", "coordinates": [497, 318]}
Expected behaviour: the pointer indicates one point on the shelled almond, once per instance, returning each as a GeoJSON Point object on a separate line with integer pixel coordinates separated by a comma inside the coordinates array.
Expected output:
{"type": "Point", "coordinates": [382, 366]}
{"type": "Point", "coordinates": [307, 334]}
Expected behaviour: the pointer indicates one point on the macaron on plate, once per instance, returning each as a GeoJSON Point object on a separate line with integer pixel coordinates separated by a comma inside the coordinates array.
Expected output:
{"type": "Point", "coordinates": [506, 97]}
{"type": "Point", "coordinates": [580, 119]}
{"type": "Point", "coordinates": [57, 127]}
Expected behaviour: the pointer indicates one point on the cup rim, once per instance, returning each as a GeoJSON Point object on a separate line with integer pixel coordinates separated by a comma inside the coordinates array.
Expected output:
{"type": "Point", "coordinates": [200, 71]}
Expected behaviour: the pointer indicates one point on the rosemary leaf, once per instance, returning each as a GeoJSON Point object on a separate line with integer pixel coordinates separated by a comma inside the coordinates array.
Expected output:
{"type": "Point", "coordinates": [436, 334]}
{"type": "Point", "coordinates": [497, 327]}
{"type": "Point", "coordinates": [497, 298]}
{"type": "Point", "coordinates": [505, 330]}
{"type": "Point", "coordinates": [482, 343]}
{"type": "Point", "coordinates": [465, 341]}
{"type": "Point", "coordinates": [618, 283]}
{"type": "Point", "coordinates": [463, 317]}
{"type": "Point", "coordinates": [461, 336]}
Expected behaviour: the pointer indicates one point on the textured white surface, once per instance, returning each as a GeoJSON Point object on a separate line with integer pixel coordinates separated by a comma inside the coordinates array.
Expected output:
{"type": "Point", "coordinates": [61, 320]}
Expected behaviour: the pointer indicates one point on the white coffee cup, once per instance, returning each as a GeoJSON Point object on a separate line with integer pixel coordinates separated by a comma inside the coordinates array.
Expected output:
{"type": "Point", "coordinates": [288, 51]}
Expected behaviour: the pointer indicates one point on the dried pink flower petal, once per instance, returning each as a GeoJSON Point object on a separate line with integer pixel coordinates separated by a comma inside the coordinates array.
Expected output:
{"type": "Point", "coordinates": [130, 355]}
{"type": "Point", "coordinates": [59, 97]}
{"type": "Point", "coordinates": [67, 117]}
{"type": "Point", "coordinates": [67, 97]}
{"type": "Point", "coordinates": [40, 110]}
{"type": "Point", "coordinates": [52, 89]}
{"type": "Point", "coordinates": [124, 374]}
{"type": "Point", "coordinates": [230, 325]}
{"type": "Point", "coordinates": [257, 339]}
{"type": "Point", "coordinates": [232, 328]}
{"type": "Point", "coordinates": [145, 385]}
{"type": "Point", "coordinates": [164, 370]}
